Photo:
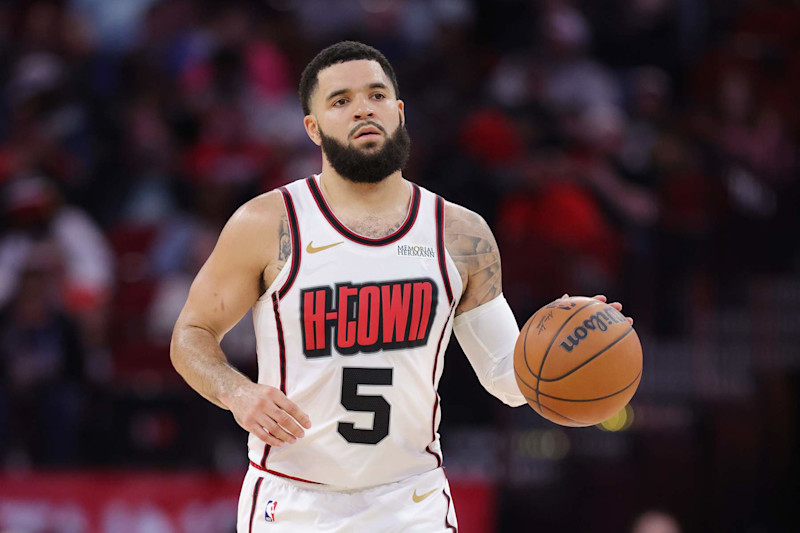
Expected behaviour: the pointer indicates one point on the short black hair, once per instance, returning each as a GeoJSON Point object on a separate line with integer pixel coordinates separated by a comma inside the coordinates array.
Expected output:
{"type": "Point", "coordinates": [339, 53]}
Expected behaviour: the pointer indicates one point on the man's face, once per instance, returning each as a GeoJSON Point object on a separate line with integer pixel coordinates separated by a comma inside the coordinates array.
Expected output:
{"type": "Point", "coordinates": [358, 121]}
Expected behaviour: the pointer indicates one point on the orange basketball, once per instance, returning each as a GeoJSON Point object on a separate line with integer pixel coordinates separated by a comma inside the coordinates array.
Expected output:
{"type": "Point", "coordinates": [578, 361]}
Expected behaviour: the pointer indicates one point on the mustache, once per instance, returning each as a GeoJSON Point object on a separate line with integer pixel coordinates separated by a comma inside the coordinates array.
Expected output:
{"type": "Point", "coordinates": [363, 123]}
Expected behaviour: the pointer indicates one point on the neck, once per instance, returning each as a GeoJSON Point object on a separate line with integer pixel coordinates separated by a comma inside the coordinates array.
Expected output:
{"type": "Point", "coordinates": [388, 194]}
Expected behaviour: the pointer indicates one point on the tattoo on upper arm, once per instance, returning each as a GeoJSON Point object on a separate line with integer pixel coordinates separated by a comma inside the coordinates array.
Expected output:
{"type": "Point", "coordinates": [284, 253]}
{"type": "Point", "coordinates": [284, 240]}
{"type": "Point", "coordinates": [474, 250]}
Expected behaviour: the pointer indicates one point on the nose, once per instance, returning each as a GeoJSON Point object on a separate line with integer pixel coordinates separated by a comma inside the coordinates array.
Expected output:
{"type": "Point", "coordinates": [362, 109]}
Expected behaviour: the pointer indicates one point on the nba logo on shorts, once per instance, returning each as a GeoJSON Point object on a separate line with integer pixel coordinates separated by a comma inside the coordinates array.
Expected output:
{"type": "Point", "coordinates": [269, 515]}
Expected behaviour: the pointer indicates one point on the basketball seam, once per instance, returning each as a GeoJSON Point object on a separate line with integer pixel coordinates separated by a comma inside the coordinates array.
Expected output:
{"type": "Point", "coordinates": [525, 353]}
{"type": "Point", "coordinates": [547, 352]}
{"type": "Point", "coordinates": [566, 417]}
{"type": "Point", "coordinates": [546, 380]}
{"type": "Point", "coordinates": [519, 376]}
{"type": "Point", "coordinates": [623, 389]}
{"type": "Point", "coordinates": [595, 356]}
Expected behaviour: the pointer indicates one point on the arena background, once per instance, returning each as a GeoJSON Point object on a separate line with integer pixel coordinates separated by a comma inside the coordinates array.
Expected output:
{"type": "Point", "coordinates": [645, 149]}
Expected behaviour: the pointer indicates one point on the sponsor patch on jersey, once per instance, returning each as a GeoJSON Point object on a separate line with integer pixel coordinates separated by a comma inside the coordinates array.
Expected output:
{"type": "Point", "coordinates": [269, 514]}
{"type": "Point", "coordinates": [416, 250]}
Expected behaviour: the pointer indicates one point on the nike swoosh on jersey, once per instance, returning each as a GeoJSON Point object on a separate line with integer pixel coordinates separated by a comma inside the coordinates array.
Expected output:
{"type": "Point", "coordinates": [312, 250]}
{"type": "Point", "coordinates": [420, 497]}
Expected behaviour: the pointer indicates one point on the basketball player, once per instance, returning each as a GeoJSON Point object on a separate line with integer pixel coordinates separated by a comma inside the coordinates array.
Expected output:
{"type": "Point", "coordinates": [356, 278]}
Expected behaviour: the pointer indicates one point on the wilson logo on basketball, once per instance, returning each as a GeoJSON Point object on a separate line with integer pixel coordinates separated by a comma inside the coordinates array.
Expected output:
{"type": "Point", "coordinates": [598, 321]}
{"type": "Point", "coordinates": [367, 318]}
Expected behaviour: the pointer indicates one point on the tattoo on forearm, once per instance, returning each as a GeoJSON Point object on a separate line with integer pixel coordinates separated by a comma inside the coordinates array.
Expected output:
{"type": "Point", "coordinates": [474, 250]}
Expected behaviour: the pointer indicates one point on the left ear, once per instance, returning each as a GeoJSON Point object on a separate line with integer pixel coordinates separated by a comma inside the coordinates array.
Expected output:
{"type": "Point", "coordinates": [401, 106]}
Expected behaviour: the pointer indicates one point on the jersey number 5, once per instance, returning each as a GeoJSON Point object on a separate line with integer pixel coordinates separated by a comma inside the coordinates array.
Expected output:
{"type": "Point", "coordinates": [352, 401]}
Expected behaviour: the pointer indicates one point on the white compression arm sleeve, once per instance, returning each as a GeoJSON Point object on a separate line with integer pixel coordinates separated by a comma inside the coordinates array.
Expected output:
{"type": "Point", "coordinates": [487, 334]}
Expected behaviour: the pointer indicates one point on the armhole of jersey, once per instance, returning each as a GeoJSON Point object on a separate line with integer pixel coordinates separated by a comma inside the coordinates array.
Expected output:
{"type": "Point", "coordinates": [440, 248]}
{"type": "Point", "coordinates": [285, 281]}
{"type": "Point", "coordinates": [294, 229]}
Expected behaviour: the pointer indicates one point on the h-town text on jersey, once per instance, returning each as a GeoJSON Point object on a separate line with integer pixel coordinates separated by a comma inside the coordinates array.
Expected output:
{"type": "Point", "coordinates": [388, 315]}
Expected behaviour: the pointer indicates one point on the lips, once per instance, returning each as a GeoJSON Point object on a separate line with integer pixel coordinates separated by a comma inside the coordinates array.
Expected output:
{"type": "Point", "coordinates": [364, 132]}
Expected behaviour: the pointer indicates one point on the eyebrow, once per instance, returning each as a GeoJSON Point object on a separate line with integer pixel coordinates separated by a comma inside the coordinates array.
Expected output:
{"type": "Point", "coordinates": [375, 85]}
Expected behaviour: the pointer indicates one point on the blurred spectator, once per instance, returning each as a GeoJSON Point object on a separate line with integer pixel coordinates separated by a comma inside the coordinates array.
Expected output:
{"type": "Point", "coordinates": [648, 116]}
{"type": "Point", "coordinates": [553, 233]}
{"type": "Point", "coordinates": [42, 366]}
{"type": "Point", "coordinates": [237, 64]}
{"type": "Point", "coordinates": [691, 205]}
{"type": "Point", "coordinates": [752, 133]}
{"type": "Point", "coordinates": [224, 154]}
{"type": "Point", "coordinates": [151, 165]}
{"type": "Point", "coordinates": [598, 144]}
{"type": "Point", "coordinates": [36, 214]}
{"type": "Point", "coordinates": [573, 81]}
{"type": "Point", "coordinates": [114, 23]}
{"type": "Point", "coordinates": [46, 26]}
{"type": "Point", "coordinates": [181, 246]}
{"type": "Point", "coordinates": [240, 67]}
{"type": "Point", "coordinates": [47, 129]}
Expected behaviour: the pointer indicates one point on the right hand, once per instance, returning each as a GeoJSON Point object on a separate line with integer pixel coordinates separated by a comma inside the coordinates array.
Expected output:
{"type": "Point", "coordinates": [267, 413]}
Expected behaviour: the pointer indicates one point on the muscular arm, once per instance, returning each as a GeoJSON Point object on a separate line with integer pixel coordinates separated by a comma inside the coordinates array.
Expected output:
{"type": "Point", "coordinates": [471, 244]}
{"type": "Point", "coordinates": [484, 325]}
{"type": "Point", "coordinates": [251, 247]}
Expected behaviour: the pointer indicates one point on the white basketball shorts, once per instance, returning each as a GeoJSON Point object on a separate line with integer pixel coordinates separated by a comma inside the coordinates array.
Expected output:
{"type": "Point", "coordinates": [418, 504]}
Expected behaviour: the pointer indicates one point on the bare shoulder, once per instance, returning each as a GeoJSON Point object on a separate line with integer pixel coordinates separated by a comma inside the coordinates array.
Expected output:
{"type": "Point", "coordinates": [259, 212]}
{"type": "Point", "coordinates": [232, 278]}
{"type": "Point", "coordinates": [471, 244]}
{"type": "Point", "coordinates": [252, 235]}
{"type": "Point", "coordinates": [262, 229]}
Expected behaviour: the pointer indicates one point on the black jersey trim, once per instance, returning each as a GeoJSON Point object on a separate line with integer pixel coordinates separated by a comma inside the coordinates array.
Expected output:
{"type": "Point", "coordinates": [360, 239]}
{"type": "Point", "coordinates": [435, 392]}
{"type": "Point", "coordinates": [282, 358]}
{"type": "Point", "coordinates": [255, 500]}
{"type": "Point", "coordinates": [440, 247]}
{"type": "Point", "coordinates": [447, 523]}
{"type": "Point", "coordinates": [267, 448]}
{"type": "Point", "coordinates": [294, 229]}
{"type": "Point", "coordinates": [281, 343]}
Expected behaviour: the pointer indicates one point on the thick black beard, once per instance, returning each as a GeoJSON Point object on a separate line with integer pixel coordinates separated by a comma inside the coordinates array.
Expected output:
{"type": "Point", "coordinates": [360, 167]}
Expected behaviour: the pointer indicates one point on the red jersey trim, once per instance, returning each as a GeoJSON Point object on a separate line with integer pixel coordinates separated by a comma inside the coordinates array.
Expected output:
{"type": "Point", "coordinates": [274, 473]}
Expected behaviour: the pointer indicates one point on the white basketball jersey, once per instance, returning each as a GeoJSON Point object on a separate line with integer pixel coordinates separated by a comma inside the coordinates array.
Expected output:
{"type": "Point", "coordinates": [354, 330]}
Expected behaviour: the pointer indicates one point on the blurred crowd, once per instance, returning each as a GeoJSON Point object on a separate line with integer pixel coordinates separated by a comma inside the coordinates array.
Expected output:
{"type": "Point", "coordinates": [642, 148]}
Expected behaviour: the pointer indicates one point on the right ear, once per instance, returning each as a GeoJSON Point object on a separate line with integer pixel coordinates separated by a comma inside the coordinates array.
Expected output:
{"type": "Point", "coordinates": [312, 129]}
